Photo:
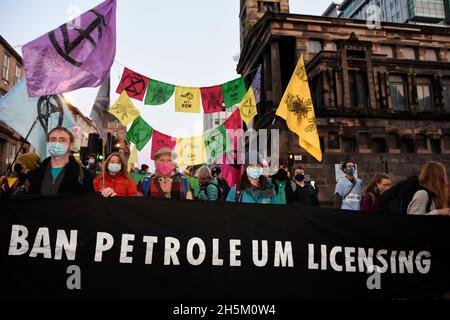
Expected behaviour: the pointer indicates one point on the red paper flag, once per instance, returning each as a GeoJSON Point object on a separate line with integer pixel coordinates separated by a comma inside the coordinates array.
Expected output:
{"type": "Point", "coordinates": [134, 83]}
{"type": "Point", "coordinates": [161, 140]}
{"type": "Point", "coordinates": [234, 121]}
{"type": "Point", "coordinates": [212, 99]}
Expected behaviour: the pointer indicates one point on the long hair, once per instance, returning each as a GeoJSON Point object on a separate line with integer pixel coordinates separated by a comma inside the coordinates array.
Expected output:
{"type": "Point", "coordinates": [377, 178]}
{"type": "Point", "coordinates": [244, 181]}
{"type": "Point", "coordinates": [123, 170]}
{"type": "Point", "coordinates": [433, 177]}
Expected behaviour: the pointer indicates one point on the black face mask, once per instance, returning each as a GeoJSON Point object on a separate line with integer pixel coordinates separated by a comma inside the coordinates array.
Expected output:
{"type": "Point", "coordinates": [299, 177]}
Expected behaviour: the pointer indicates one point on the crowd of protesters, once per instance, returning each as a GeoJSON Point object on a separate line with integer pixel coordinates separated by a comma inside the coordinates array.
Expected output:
{"type": "Point", "coordinates": [62, 174]}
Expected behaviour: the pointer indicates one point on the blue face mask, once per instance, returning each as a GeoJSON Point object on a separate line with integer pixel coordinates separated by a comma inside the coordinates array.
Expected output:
{"type": "Point", "coordinates": [254, 173]}
{"type": "Point", "coordinates": [114, 167]}
{"type": "Point", "coordinates": [57, 149]}
{"type": "Point", "coordinates": [351, 171]}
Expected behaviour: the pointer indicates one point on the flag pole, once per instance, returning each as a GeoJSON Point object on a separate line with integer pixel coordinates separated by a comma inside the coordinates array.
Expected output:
{"type": "Point", "coordinates": [21, 146]}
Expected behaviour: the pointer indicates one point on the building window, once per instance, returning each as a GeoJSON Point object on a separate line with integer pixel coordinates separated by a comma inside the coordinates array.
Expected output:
{"type": "Point", "coordinates": [358, 89]}
{"type": "Point", "coordinates": [314, 46]}
{"type": "Point", "coordinates": [379, 145]}
{"type": "Point", "coordinates": [421, 142]}
{"type": "Point", "coordinates": [408, 53]}
{"type": "Point", "coordinates": [407, 145]}
{"type": "Point", "coordinates": [435, 145]}
{"type": "Point", "coordinates": [447, 142]}
{"type": "Point", "coordinates": [393, 141]}
{"type": "Point", "coordinates": [333, 141]}
{"type": "Point", "coordinates": [363, 141]}
{"type": "Point", "coordinates": [430, 55]}
{"type": "Point", "coordinates": [317, 87]}
{"type": "Point", "coordinates": [17, 74]}
{"type": "Point", "coordinates": [5, 68]}
{"type": "Point", "coordinates": [425, 95]}
{"type": "Point", "coordinates": [349, 144]}
{"type": "Point", "coordinates": [398, 90]}
{"type": "Point", "coordinates": [387, 50]}
{"type": "Point", "coordinates": [268, 6]}
{"type": "Point", "coordinates": [322, 144]}
{"type": "Point", "coordinates": [446, 95]}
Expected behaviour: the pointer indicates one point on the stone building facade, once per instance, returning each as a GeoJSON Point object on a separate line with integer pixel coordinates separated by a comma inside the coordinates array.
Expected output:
{"type": "Point", "coordinates": [381, 96]}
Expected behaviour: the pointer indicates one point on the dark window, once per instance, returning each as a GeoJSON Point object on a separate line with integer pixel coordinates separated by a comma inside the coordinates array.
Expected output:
{"type": "Point", "coordinates": [363, 140]}
{"type": "Point", "coordinates": [322, 143]}
{"type": "Point", "coordinates": [358, 89]}
{"type": "Point", "coordinates": [398, 90]}
{"type": "Point", "coordinates": [379, 145]}
{"type": "Point", "coordinates": [393, 141]}
{"type": "Point", "coordinates": [265, 6]}
{"type": "Point", "coordinates": [446, 94]}
{"type": "Point", "coordinates": [333, 141]}
{"type": "Point", "coordinates": [421, 142]}
{"type": "Point", "coordinates": [349, 145]}
{"type": "Point", "coordinates": [317, 86]}
{"type": "Point", "coordinates": [435, 145]}
{"type": "Point", "coordinates": [356, 54]}
{"type": "Point", "coordinates": [425, 94]}
{"type": "Point", "coordinates": [407, 145]}
{"type": "Point", "coordinates": [447, 142]}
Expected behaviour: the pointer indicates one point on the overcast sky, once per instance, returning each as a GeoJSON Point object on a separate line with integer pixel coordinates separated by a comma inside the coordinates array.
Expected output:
{"type": "Point", "coordinates": [190, 43]}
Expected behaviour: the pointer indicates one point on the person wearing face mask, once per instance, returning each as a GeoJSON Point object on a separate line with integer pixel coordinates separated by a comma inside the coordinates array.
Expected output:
{"type": "Point", "coordinates": [349, 189]}
{"type": "Point", "coordinates": [114, 180]}
{"type": "Point", "coordinates": [93, 166]}
{"type": "Point", "coordinates": [253, 186]}
{"type": "Point", "coordinates": [282, 184]}
{"type": "Point", "coordinates": [166, 183]}
{"type": "Point", "coordinates": [371, 202]}
{"type": "Point", "coordinates": [304, 193]}
{"type": "Point", "coordinates": [60, 173]}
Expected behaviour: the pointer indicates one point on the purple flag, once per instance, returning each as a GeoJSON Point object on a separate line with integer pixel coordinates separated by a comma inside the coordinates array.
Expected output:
{"type": "Point", "coordinates": [75, 55]}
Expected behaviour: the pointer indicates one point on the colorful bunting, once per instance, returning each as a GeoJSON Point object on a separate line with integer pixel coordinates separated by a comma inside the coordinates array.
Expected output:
{"type": "Point", "coordinates": [187, 99]}
{"type": "Point", "coordinates": [233, 92]}
{"type": "Point", "coordinates": [133, 83]}
{"type": "Point", "coordinates": [139, 133]}
{"type": "Point", "coordinates": [212, 99]}
{"type": "Point", "coordinates": [234, 121]}
{"type": "Point", "coordinates": [297, 109]}
{"type": "Point", "coordinates": [161, 140]}
{"type": "Point", "coordinates": [191, 151]}
{"type": "Point", "coordinates": [133, 158]}
{"type": "Point", "coordinates": [158, 92]}
{"type": "Point", "coordinates": [217, 142]}
{"type": "Point", "coordinates": [248, 106]}
{"type": "Point", "coordinates": [72, 56]}
{"type": "Point", "coordinates": [11, 181]}
{"type": "Point", "coordinates": [124, 110]}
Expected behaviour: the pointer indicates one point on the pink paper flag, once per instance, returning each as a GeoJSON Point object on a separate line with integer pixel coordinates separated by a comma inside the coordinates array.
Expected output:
{"type": "Point", "coordinates": [161, 140]}
{"type": "Point", "coordinates": [212, 99]}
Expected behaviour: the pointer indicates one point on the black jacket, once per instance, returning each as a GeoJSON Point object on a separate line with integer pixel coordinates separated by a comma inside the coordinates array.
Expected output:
{"type": "Point", "coordinates": [70, 183]}
{"type": "Point", "coordinates": [305, 195]}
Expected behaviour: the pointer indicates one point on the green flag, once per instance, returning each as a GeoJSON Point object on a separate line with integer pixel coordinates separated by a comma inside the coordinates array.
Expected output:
{"type": "Point", "coordinates": [158, 92]}
{"type": "Point", "coordinates": [139, 133]}
{"type": "Point", "coordinates": [233, 92]}
{"type": "Point", "coordinates": [194, 184]}
{"type": "Point", "coordinates": [137, 177]}
{"type": "Point", "coordinates": [217, 142]}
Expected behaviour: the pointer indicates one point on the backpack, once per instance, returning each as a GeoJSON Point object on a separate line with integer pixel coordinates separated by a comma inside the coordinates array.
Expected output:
{"type": "Point", "coordinates": [280, 190]}
{"type": "Point", "coordinates": [396, 199]}
{"type": "Point", "coordinates": [220, 195]}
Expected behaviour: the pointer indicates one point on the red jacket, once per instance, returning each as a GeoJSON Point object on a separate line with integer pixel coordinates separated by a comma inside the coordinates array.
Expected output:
{"type": "Point", "coordinates": [121, 185]}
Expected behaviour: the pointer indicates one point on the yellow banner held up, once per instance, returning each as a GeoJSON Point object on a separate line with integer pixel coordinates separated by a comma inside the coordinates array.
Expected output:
{"type": "Point", "coordinates": [247, 107]}
{"type": "Point", "coordinates": [124, 110]}
{"type": "Point", "coordinates": [187, 99]}
{"type": "Point", "coordinates": [191, 151]}
{"type": "Point", "coordinates": [296, 107]}
{"type": "Point", "coordinates": [133, 158]}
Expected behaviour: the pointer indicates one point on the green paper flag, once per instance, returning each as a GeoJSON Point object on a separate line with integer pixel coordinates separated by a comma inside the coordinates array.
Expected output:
{"type": "Point", "coordinates": [139, 133]}
{"type": "Point", "coordinates": [217, 142]}
{"type": "Point", "coordinates": [158, 92]}
{"type": "Point", "coordinates": [233, 92]}
{"type": "Point", "coordinates": [137, 177]}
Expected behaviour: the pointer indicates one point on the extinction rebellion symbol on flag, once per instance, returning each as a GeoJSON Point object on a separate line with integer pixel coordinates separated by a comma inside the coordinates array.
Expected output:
{"type": "Point", "coordinates": [46, 106]}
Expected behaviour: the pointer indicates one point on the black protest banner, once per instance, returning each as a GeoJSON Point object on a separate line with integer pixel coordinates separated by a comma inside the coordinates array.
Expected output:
{"type": "Point", "coordinates": [90, 247]}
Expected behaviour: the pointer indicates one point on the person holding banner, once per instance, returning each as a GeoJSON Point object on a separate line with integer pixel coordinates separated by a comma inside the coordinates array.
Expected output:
{"type": "Point", "coordinates": [60, 173]}
{"type": "Point", "coordinates": [114, 180]}
{"type": "Point", "coordinates": [166, 183]}
{"type": "Point", "coordinates": [253, 186]}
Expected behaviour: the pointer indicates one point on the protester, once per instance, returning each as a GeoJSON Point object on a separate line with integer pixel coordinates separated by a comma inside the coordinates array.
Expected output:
{"type": "Point", "coordinates": [114, 180]}
{"type": "Point", "coordinates": [253, 186]}
{"type": "Point", "coordinates": [143, 170]}
{"type": "Point", "coordinates": [312, 183]}
{"type": "Point", "coordinates": [304, 193]}
{"type": "Point", "coordinates": [371, 202]}
{"type": "Point", "coordinates": [216, 172]}
{"type": "Point", "coordinates": [349, 189]}
{"type": "Point", "coordinates": [282, 184]}
{"type": "Point", "coordinates": [434, 198]}
{"type": "Point", "coordinates": [209, 186]}
{"type": "Point", "coordinates": [93, 167]}
{"type": "Point", "coordinates": [29, 161]}
{"type": "Point", "coordinates": [166, 183]}
{"type": "Point", "coordinates": [60, 173]}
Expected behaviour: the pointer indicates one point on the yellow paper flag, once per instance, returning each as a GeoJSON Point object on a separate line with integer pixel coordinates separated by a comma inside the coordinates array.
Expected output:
{"type": "Point", "coordinates": [191, 151]}
{"type": "Point", "coordinates": [124, 110]}
{"type": "Point", "coordinates": [11, 181]}
{"type": "Point", "coordinates": [297, 109]}
{"type": "Point", "coordinates": [187, 99]}
{"type": "Point", "coordinates": [133, 158]}
{"type": "Point", "coordinates": [248, 106]}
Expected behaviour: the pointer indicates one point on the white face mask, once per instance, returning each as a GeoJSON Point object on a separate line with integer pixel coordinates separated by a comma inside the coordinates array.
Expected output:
{"type": "Point", "coordinates": [91, 161]}
{"type": "Point", "coordinates": [114, 167]}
